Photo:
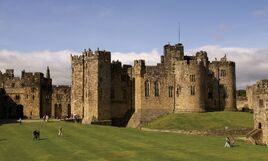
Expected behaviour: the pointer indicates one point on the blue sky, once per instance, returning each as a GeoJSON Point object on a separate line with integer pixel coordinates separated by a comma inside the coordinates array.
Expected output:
{"type": "Point", "coordinates": [130, 26]}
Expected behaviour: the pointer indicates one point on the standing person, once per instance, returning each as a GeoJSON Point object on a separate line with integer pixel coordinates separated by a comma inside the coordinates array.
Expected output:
{"type": "Point", "coordinates": [20, 120]}
{"type": "Point", "coordinates": [47, 117]}
{"type": "Point", "coordinates": [227, 143]}
{"type": "Point", "coordinates": [60, 131]}
{"type": "Point", "coordinates": [31, 113]}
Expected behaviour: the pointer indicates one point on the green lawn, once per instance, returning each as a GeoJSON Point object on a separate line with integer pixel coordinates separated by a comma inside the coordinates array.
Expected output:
{"type": "Point", "coordinates": [98, 143]}
{"type": "Point", "coordinates": [208, 120]}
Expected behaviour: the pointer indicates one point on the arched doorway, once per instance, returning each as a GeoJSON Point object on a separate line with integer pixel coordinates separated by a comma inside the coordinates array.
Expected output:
{"type": "Point", "coordinates": [58, 111]}
{"type": "Point", "coordinates": [19, 111]}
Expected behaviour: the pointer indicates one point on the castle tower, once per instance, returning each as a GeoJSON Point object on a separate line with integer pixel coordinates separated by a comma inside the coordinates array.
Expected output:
{"type": "Point", "coordinates": [224, 72]}
{"type": "Point", "coordinates": [172, 54]}
{"type": "Point", "coordinates": [77, 85]}
{"type": "Point", "coordinates": [91, 85]}
{"type": "Point", "coordinates": [190, 85]}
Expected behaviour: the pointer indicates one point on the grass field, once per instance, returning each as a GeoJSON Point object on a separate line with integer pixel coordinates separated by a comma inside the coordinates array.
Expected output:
{"type": "Point", "coordinates": [98, 143]}
{"type": "Point", "coordinates": [208, 120]}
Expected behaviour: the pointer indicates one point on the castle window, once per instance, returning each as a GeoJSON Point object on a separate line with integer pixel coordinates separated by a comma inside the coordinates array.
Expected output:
{"type": "Point", "coordinates": [170, 91]}
{"type": "Point", "coordinates": [17, 97]}
{"type": "Point", "coordinates": [192, 90]}
{"type": "Point", "coordinates": [13, 85]}
{"type": "Point", "coordinates": [222, 73]}
{"type": "Point", "coordinates": [58, 97]}
{"type": "Point", "coordinates": [259, 125]}
{"type": "Point", "coordinates": [33, 97]}
{"type": "Point", "coordinates": [147, 88]}
{"type": "Point", "coordinates": [192, 78]}
{"type": "Point", "coordinates": [178, 90]}
{"type": "Point", "coordinates": [261, 103]}
{"type": "Point", "coordinates": [156, 89]}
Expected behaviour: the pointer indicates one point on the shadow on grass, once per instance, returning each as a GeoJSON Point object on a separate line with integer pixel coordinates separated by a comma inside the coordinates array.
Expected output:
{"type": "Point", "coordinates": [3, 139]}
{"type": "Point", "coordinates": [43, 139]}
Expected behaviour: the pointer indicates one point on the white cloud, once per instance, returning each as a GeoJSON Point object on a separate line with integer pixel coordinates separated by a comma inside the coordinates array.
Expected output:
{"type": "Point", "coordinates": [58, 62]}
{"type": "Point", "coordinates": [251, 63]}
{"type": "Point", "coordinates": [151, 58]}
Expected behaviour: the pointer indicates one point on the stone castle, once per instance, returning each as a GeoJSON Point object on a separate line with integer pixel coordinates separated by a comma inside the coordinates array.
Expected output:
{"type": "Point", "coordinates": [257, 99]}
{"type": "Point", "coordinates": [105, 91]}
{"type": "Point", "coordinates": [32, 96]}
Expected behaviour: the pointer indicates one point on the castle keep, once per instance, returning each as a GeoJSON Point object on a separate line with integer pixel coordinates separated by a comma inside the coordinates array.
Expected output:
{"type": "Point", "coordinates": [102, 90]}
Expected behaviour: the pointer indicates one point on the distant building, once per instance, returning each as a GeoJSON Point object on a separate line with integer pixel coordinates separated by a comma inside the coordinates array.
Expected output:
{"type": "Point", "coordinates": [61, 101]}
{"type": "Point", "coordinates": [25, 97]}
{"type": "Point", "coordinates": [102, 90]}
{"type": "Point", "coordinates": [32, 96]}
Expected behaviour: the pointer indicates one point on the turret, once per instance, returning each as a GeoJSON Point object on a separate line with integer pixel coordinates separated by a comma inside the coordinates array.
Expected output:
{"type": "Point", "coordinates": [48, 73]}
{"type": "Point", "coordinates": [10, 72]}
{"type": "Point", "coordinates": [172, 52]}
{"type": "Point", "coordinates": [139, 67]}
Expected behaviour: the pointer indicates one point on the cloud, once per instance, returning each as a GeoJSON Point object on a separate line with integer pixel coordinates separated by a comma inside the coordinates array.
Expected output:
{"type": "Point", "coordinates": [58, 62]}
{"type": "Point", "coordinates": [151, 58]}
{"type": "Point", "coordinates": [251, 63]}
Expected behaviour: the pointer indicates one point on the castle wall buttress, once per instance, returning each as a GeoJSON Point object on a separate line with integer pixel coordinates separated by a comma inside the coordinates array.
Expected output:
{"type": "Point", "coordinates": [138, 72]}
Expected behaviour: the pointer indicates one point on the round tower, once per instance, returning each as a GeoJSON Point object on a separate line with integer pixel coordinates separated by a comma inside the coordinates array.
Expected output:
{"type": "Point", "coordinates": [228, 85]}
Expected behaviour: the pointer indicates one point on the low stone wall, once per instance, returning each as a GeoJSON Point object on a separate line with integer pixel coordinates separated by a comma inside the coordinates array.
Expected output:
{"type": "Point", "coordinates": [218, 132]}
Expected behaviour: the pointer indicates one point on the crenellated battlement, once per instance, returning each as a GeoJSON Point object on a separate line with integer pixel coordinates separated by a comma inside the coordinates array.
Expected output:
{"type": "Point", "coordinates": [176, 47]}
{"type": "Point", "coordinates": [223, 63]}
{"type": "Point", "coordinates": [89, 54]}
{"type": "Point", "coordinates": [139, 62]}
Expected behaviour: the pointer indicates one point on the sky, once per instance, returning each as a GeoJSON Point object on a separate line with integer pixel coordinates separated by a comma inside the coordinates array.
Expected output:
{"type": "Point", "coordinates": [39, 33]}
